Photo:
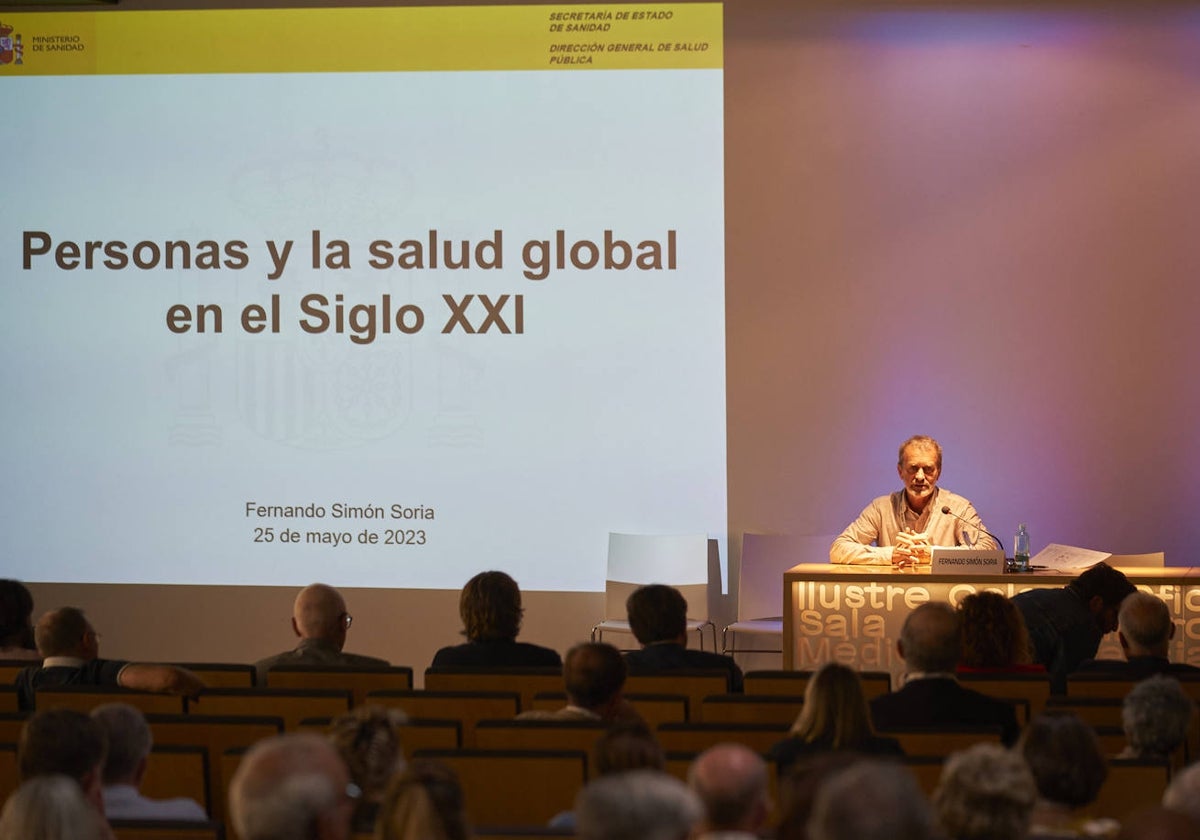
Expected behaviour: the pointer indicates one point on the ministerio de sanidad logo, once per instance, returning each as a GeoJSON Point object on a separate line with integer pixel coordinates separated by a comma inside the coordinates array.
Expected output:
{"type": "Point", "coordinates": [12, 50]}
{"type": "Point", "coordinates": [17, 49]}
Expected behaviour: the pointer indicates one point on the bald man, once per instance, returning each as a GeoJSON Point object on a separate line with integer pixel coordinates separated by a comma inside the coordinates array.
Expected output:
{"type": "Point", "coordinates": [292, 787]}
{"type": "Point", "coordinates": [731, 781]}
{"type": "Point", "coordinates": [320, 620]}
{"type": "Point", "coordinates": [1145, 630]}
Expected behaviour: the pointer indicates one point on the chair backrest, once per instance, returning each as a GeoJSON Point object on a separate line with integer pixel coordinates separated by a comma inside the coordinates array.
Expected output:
{"type": "Point", "coordinates": [166, 830]}
{"type": "Point", "coordinates": [1132, 783]}
{"type": "Point", "coordinates": [222, 674]}
{"type": "Point", "coordinates": [679, 560]}
{"type": "Point", "coordinates": [653, 708]}
{"type": "Point", "coordinates": [538, 734]}
{"type": "Point", "coordinates": [765, 557]}
{"type": "Point", "coordinates": [695, 685]}
{"type": "Point", "coordinates": [941, 740]}
{"type": "Point", "coordinates": [10, 776]}
{"type": "Point", "coordinates": [9, 668]}
{"type": "Point", "coordinates": [1152, 560]}
{"type": "Point", "coordinates": [360, 681]}
{"type": "Point", "coordinates": [525, 681]}
{"type": "Point", "coordinates": [11, 724]}
{"type": "Point", "coordinates": [793, 683]}
{"type": "Point", "coordinates": [173, 771]}
{"type": "Point", "coordinates": [467, 707]}
{"type": "Point", "coordinates": [751, 708]}
{"type": "Point", "coordinates": [8, 699]}
{"type": "Point", "coordinates": [1031, 687]}
{"type": "Point", "coordinates": [291, 704]}
{"type": "Point", "coordinates": [697, 737]}
{"type": "Point", "coordinates": [84, 698]}
{"type": "Point", "coordinates": [927, 769]}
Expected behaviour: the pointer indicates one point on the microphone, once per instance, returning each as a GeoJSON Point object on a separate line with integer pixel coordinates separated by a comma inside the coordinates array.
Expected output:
{"type": "Point", "coordinates": [946, 510]}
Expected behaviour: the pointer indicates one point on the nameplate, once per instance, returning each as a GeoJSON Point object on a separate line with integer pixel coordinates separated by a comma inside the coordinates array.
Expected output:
{"type": "Point", "coordinates": [967, 561]}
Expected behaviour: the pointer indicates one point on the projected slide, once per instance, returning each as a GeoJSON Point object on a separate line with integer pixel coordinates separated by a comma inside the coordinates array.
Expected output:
{"type": "Point", "coordinates": [376, 296]}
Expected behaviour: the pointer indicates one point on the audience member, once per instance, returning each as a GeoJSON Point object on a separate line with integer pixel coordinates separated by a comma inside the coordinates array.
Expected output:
{"type": "Point", "coordinates": [1183, 793]}
{"type": "Point", "coordinates": [624, 746]}
{"type": "Point", "coordinates": [1066, 625]}
{"type": "Point", "coordinates": [731, 781]}
{"type": "Point", "coordinates": [1158, 824]}
{"type": "Point", "coordinates": [320, 621]}
{"type": "Point", "coordinates": [798, 790]}
{"type": "Point", "coordinates": [68, 743]}
{"type": "Point", "coordinates": [491, 611]}
{"type": "Point", "coordinates": [638, 805]}
{"type": "Point", "coordinates": [425, 802]}
{"type": "Point", "coordinates": [594, 675]}
{"type": "Point", "coordinates": [51, 808]}
{"type": "Point", "coordinates": [931, 696]}
{"type": "Point", "coordinates": [70, 648]}
{"type": "Point", "coordinates": [368, 740]}
{"type": "Point", "coordinates": [1156, 715]}
{"type": "Point", "coordinates": [1068, 768]}
{"type": "Point", "coordinates": [129, 742]}
{"type": "Point", "coordinates": [871, 800]}
{"type": "Point", "coordinates": [292, 787]}
{"type": "Point", "coordinates": [834, 716]}
{"type": "Point", "coordinates": [1145, 630]}
{"type": "Point", "coordinates": [16, 622]}
{"type": "Point", "coordinates": [986, 792]}
{"type": "Point", "coordinates": [658, 617]}
{"type": "Point", "coordinates": [994, 637]}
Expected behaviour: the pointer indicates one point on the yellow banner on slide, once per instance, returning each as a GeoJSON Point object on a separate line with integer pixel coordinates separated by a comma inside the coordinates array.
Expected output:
{"type": "Point", "coordinates": [363, 40]}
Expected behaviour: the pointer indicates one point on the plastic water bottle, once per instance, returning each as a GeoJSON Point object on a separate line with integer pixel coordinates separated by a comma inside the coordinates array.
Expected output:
{"type": "Point", "coordinates": [1021, 549]}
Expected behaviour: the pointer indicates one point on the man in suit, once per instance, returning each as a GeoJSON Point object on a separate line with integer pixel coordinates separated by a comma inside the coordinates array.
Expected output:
{"type": "Point", "coordinates": [1145, 630]}
{"type": "Point", "coordinates": [658, 617]}
{"type": "Point", "coordinates": [594, 675]}
{"type": "Point", "coordinates": [320, 620]}
{"type": "Point", "coordinates": [931, 696]}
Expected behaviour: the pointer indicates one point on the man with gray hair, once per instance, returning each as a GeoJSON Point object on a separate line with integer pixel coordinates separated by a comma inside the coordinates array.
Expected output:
{"type": "Point", "coordinates": [1145, 631]}
{"type": "Point", "coordinates": [1156, 715]}
{"type": "Point", "coordinates": [129, 743]}
{"type": "Point", "coordinates": [871, 800]}
{"type": "Point", "coordinates": [292, 787]}
{"type": "Point", "coordinates": [636, 805]}
{"type": "Point", "coordinates": [731, 781]}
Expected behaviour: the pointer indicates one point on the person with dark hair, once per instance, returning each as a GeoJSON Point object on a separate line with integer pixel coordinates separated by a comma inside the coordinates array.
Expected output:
{"type": "Point", "coordinates": [993, 636]}
{"type": "Point", "coordinates": [16, 622]}
{"type": "Point", "coordinates": [491, 611]}
{"type": "Point", "coordinates": [321, 622]}
{"type": "Point", "coordinates": [1068, 768]}
{"type": "Point", "coordinates": [129, 743]}
{"type": "Point", "coordinates": [1145, 631]}
{"type": "Point", "coordinates": [901, 528]}
{"type": "Point", "coordinates": [425, 802]}
{"type": "Point", "coordinates": [931, 696]}
{"type": "Point", "coordinates": [835, 716]}
{"type": "Point", "coordinates": [68, 743]}
{"type": "Point", "coordinates": [658, 618]}
{"type": "Point", "coordinates": [71, 650]}
{"type": "Point", "coordinates": [594, 675]}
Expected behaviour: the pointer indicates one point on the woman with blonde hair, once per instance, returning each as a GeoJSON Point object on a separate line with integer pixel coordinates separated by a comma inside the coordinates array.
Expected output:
{"type": "Point", "coordinates": [368, 740]}
{"type": "Point", "coordinates": [425, 802]}
{"type": "Point", "coordinates": [51, 807]}
{"type": "Point", "coordinates": [834, 717]}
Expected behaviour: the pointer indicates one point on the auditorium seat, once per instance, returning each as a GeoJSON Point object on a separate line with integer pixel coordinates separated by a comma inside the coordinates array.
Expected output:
{"type": "Point", "coordinates": [653, 708]}
{"type": "Point", "coordinates": [1088, 684]}
{"type": "Point", "coordinates": [166, 830]}
{"type": "Point", "coordinates": [697, 737]}
{"type": "Point", "coordinates": [519, 832]}
{"type": "Point", "coordinates": [1096, 711]}
{"type": "Point", "coordinates": [793, 683]}
{"type": "Point", "coordinates": [538, 734]}
{"type": "Point", "coordinates": [941, 741]}
{"type": "Point", "coordinates": [751, 708]}
{"type": "Point", "coordinates": [527, 682]}
{"type": "Point", "coordinates": [10, 776]}
{"type": "Point", "coordinates": [8, 699]}
{"type": "Point", "coordinates": [1034, 688]}
{"type": "Point", "coordinates": [415, 733]}
{"type": "Point", "coordinates": [11, 724]}
{"type": "Point", "coordinates": [84, 698]}
{"type": "Point", "coordinates": [515, 787]}
{"type": "Point", "coordinates": [293, 705]}
{"type": "Point", "coordinates": [927, 769]}
{"type": "Point", "coordinates": [467, 707]}
{"type": "Point", "coordinates": [696, 685]}
{"type": "Point", "coordinates": [9, 668]}
{"type": "Point", "coordinates": [360, 681]}
{"type": "Point", "coordinates": [1132, 784]}
{"type": "Point", "coordinates": [173, 770]}
{"type": "Point", "coordinates": [222, 674]}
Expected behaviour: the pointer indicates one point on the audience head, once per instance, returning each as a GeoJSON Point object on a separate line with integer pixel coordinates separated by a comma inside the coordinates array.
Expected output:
{"type": "Point", "coordinates": [627, 745]}
{"type": "Point", "coordinates": [798, 788]}
{"type": "Point", "coordinates": [992, 632]}
{"type": "Point", "coordinates": [986, 792]}
{"type": "Point", "coordinates": [368, 740]}
{"type": "Point", "coordinates": [64, 742]}
{"type": "Point", "coordinates": [289, 787]}
{"type": "Point", "coordinates": [129, 742]}
{"type": "Point", "coordinates": [425, 802]}
{"type": "Point", "coordinates": [51, 808]}
{"type": "Point", "coordinates": [16, 613]}
{"type": "Point", "coordinates": [1144, 625]}
{"type": "Point", "coordinates": [1103, 588]}
{"type": "Point", "coordinates": [490, 606]}
{"type": "Point", "coordinates": [929, 638]}
{"type": "Point", "coordinates": [731, 781]}
{"type": "Point", "coordinates": [1156, 715]}
{"type": "Point", "coordinates": [835, 709]}
{"type": "Point", "coordinates": [638, 805]}
{"type": "Point", "coordinates": [66, 632]}
{"type": "Point", "coordinates": [1183, 793]}
{"type": "Point", "coordinates": [657, 613]}
{"type": "Point", "coordinates": [320, 613]}
{"type": "Point", "coordinates": [1065, 758]}
{"type": "Point", "coordinates": [871, 800]}
{"type": "Point", "coordinates": [594, 674]}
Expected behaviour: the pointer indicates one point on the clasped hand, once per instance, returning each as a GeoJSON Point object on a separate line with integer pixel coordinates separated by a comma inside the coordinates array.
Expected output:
{"type": "Point", "coordinates": [911, 549]}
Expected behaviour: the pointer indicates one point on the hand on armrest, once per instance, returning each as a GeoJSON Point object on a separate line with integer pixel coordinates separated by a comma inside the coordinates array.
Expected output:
{"type": "Point", "coordinates": [161, 679]}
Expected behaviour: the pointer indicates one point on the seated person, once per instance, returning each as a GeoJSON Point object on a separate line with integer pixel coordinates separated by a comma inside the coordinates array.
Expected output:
{"type": "Point", "coordinates": [931, 696]}
{"type": "Point", "coordinates": [424, 801]}
{"type": "Point", "coordinates": [1068, 768]}
{"type": "Point", "coordinates": [51, 808]}
{"type": "Point", "coordinates": [368, 740]}
{"type": "Point", "coordinates": [129, 743]}
{"type": "Point", "coordinates": [64, 742]}
{"type": "Point", "coordinates": [1145, 631]}
{"type": "Point", "coordinates": [834, 717]}
{"type": "Point", "coordinates": [994, 638]}
{"type": "Point", "coordinates": [985, 792]}
{"type": "Point", "coordinates": [658, 617]}
{"type": "Point", "coordinates": [491, 611]}
{"type": "Point", "coordinates": [70, 648]}
{"type": "Point", "coordinates": [594, 675]}
{"type": "Point", "coordinates": [1156, 716]}
{"type": "Point", "coordinates": [320, 620]}
{"type": "Point", "coordinates": [901, 528]}
{"type": "Point", "coordinates": [732, 783]}
{"type": "Point", "coordinates": [16, 622]}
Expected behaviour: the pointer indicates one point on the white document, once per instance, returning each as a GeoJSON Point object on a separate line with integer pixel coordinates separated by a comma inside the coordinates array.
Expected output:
{"type": "Point", "coordinates": [1067, 558]}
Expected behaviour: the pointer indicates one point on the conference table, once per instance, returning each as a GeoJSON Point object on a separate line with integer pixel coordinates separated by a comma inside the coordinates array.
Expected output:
{"type": "Point", "coordinates": [853, 614]}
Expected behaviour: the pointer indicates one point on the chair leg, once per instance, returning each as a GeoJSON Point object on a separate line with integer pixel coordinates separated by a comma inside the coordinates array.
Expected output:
{"type": "Point", "coordinates": [725, 640]}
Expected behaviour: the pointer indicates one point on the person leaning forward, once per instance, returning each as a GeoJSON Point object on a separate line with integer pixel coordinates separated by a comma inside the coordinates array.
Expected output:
{"type": "Point", "coordinates": [902, 528]}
